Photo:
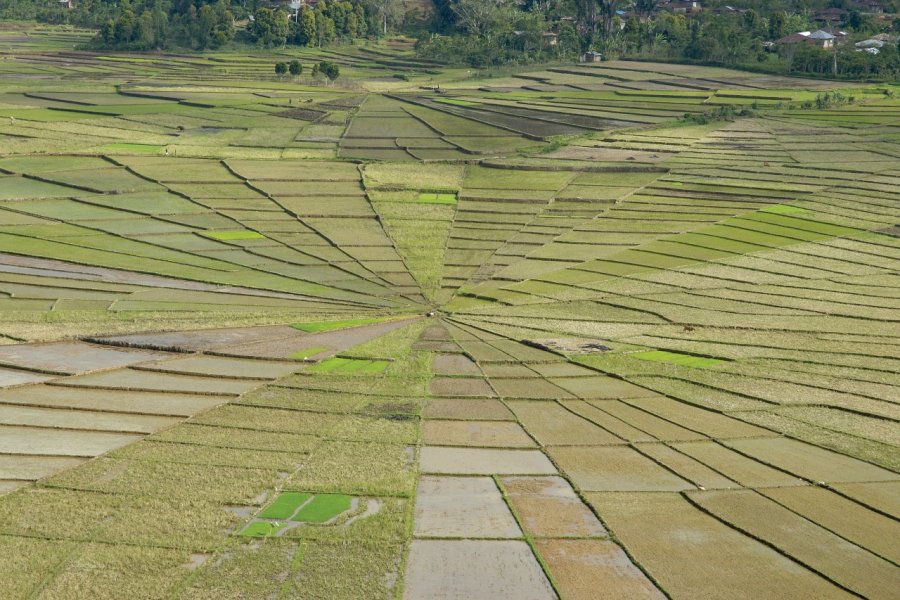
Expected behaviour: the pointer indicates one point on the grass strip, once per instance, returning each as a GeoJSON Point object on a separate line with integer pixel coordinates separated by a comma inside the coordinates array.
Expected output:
{"type": "Point", "coordinates": [234, 235]}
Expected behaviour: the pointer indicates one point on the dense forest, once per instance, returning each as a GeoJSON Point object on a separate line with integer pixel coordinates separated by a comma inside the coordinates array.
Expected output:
{"type": "Point", "coordinates": [483, 33]}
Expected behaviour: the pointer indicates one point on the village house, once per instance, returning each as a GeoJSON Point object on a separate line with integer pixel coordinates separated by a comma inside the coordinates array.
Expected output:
{"type": "Point", "coordinates": [820, 38]}
{"type": "Point", "coordinates": [680, 6]}
{"type": "Point", "coordinates": [830, 15]}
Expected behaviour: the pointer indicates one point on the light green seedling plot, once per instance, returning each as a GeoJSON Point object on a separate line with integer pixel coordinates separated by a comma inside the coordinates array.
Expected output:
{"type": "Point", "coordinates": [233, 235]}
{"type": "Point", "coordinates": [285, 505]}
{"type": "Point", "coordinates": [784, 209]}
{"type": "Point", "coordinates": [320, 326]}
{"type": "Point", "coordinates": [687, 360]}
{"type": "Point", "coordinates": [339, 364]}
{"type": "Point", "coordinates": [431, 198]}
{"type": "Point", "coordinates": [261, 529]}
{"type": "Point", "coordinates": [290, 509]}
{"type": "Point", "coordinates": [323, 508]}
{"type": "Point", "coordinates": [307, 352]}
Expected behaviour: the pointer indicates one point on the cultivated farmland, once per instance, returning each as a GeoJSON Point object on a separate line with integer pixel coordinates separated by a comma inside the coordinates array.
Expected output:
{"type": "Point", "coordinates": [554, 334]}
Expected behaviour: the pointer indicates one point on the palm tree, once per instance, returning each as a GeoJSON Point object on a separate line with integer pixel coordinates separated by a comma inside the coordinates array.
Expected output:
{"type": "Point", "coordinates": [608, 9]}
{"type": "Point", "coordinates": [644, 8]}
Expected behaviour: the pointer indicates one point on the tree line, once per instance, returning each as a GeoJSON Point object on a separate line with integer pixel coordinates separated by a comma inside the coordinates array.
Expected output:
{"type": "Point", "coordinates": [483, 33]}
{"type": "Point", "coordinates": [493, 32]}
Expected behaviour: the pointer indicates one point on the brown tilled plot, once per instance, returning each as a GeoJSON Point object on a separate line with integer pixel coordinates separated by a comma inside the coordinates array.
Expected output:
{"type": "Point", "coordinates": [467, 408]}
{"type": "Point", "coordinates": [497, 434]}
{"type": "Point", "coordinates": [594, 570]}
{"type": "Point", "coordinates": [548, 507]}
{"type": "Point", "coordinates": [483, 461]}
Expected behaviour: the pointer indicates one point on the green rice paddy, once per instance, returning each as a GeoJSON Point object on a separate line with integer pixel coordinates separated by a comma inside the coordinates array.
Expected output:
{"type": "Point", "coordinates": [296, 507]}
{"type": "Point", "coordinates": [322, 326]}
{"type": "Point", "coordinates": [676, 358]}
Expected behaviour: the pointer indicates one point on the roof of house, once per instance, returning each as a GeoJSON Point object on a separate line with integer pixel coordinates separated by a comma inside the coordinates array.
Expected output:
{"type": "Point", "coordinates": [793, 38]}
{"type": "Point", "coordinates": [820, 34]}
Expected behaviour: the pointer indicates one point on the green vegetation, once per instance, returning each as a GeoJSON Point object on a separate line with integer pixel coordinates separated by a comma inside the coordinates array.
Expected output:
{"type": "Point", "coordinates": [349, 365]}
{"type": "Point", "coordinates": [430, 198]}
{"type": "Point", "coordinates": [284, 506]}
{"type": "Point", "coordinates": [676, 358]}
{"type": "Point", "coordinates": [321, 326]}
{"type": "Point", "coordinates": [307, 352]}
{"type": "Point", "coordinates": [323, 508]}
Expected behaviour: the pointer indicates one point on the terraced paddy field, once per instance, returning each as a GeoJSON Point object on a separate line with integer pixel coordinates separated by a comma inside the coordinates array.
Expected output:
{"type": "Point", "coordinates": [442, 335]}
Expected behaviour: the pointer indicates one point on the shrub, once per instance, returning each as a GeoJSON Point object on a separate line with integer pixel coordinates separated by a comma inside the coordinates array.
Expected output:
{"type": "Point", "coordinates": [329, 69]}
{"type": "Point", "coordinates": [295, 67]}
{"type": "Point", "coordinates": [281, 68]}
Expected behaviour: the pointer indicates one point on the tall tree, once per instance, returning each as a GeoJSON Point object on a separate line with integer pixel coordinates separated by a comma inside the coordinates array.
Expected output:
{"type": "Point", "coordinates": [269, 27]}
{"type": "Point", "coordinates": [608, 9]}
{"type": "Point", "coordinates": [476, 16]}
{"type": "Point", "coordinates": [389, 12]}
{"type": "Point", "coordinates": [644, 8]}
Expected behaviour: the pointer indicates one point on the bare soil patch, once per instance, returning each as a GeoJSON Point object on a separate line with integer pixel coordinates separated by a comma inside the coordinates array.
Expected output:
{"type": "Point", "coordinates": [207, 339]}
{"type": "Point", "coordinates": [57, 418]}
{"type": "Point", "coordinates": [72, 357]}
{"type": "Point", "coordinates": [130, 379]}
{"type": "Point", "coordinates": [61, 442]}
{"type": "Point", "coordinates": [458, 386]}
{"type": "Point", "coordinates": [455, 364]}
{"type": "Point", "coordinates": [528, 388]}
{"type": "Point", "coordinates": [10, 377]}
{"type": "Point", "coordinates": [497, 434]}
{"type": "Point", "coordinates": [474, 570]}
{"type": "Point", "coordinates": [151, 403]}
{"type": "Point", "coordinates": [462, 507]}
{"type": "Point", "coordinates": [481, 461]}
{"type": "Point", "coordinates": [217, 366]}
